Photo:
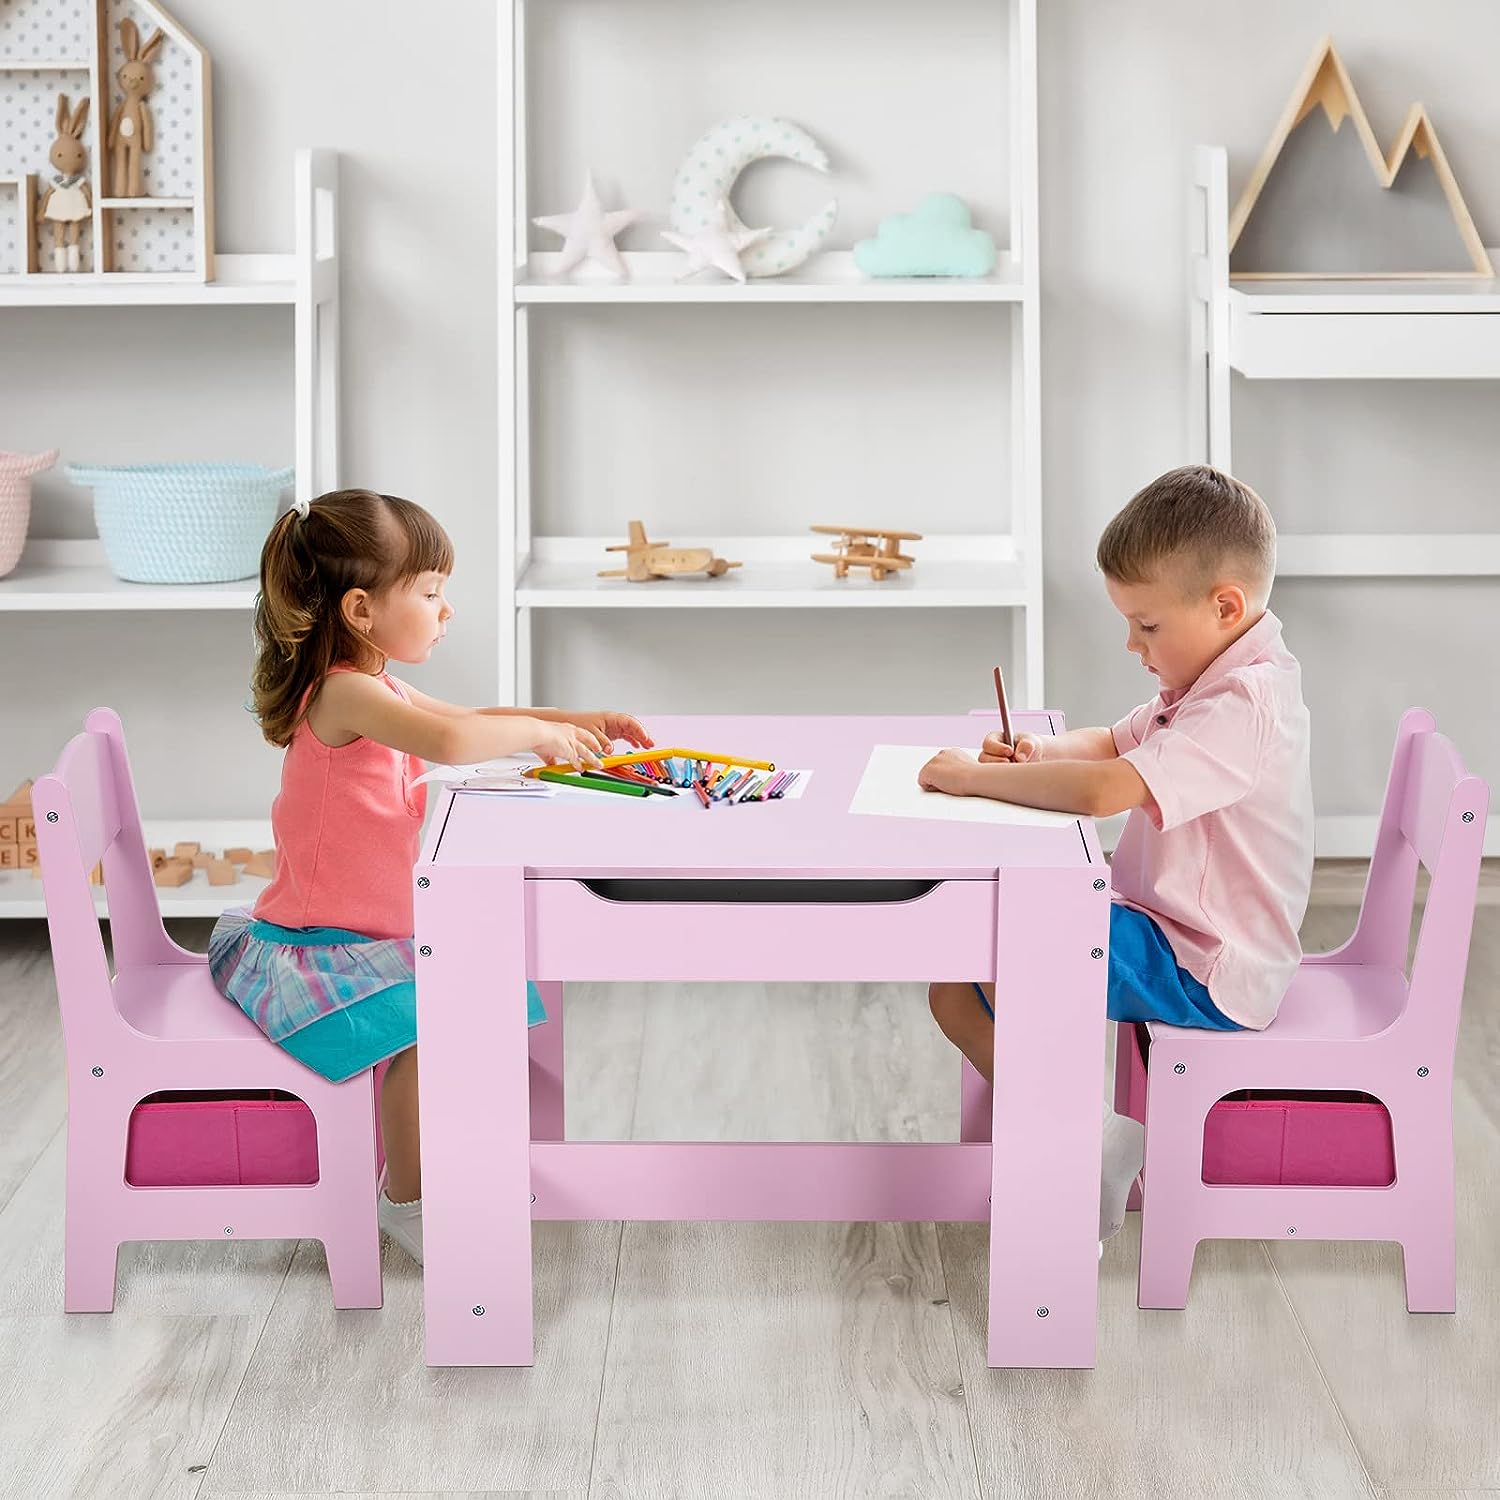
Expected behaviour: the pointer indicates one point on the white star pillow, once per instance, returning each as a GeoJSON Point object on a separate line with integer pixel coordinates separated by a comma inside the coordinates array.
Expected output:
{"type": "Point", "coordinates": [589, 233]}
{"type": "Point", "coordinates": [715, 244]}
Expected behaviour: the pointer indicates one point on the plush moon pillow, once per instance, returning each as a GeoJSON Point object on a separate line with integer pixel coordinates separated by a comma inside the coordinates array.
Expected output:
{"type": "Point", "coordinates": [938, 239]}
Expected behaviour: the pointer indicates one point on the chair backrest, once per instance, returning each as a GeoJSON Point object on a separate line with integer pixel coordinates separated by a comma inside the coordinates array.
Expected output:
{"type": "Point", "coordinates": [1434, 815]}
{"type": "Point", "coordinates": [86, 812]}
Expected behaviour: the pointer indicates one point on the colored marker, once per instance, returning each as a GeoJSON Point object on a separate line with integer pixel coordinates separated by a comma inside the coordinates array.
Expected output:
{"type": "Point", "coordinates": [786, 785]}
{"type": "Point", "coordinates": [702, 795]}
{"type": "Point", "coordinates": [592, 783]}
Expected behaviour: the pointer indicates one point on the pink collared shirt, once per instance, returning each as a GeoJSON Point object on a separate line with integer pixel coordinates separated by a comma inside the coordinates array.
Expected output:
{"type": "Point", "coordinates": [1221, 853]}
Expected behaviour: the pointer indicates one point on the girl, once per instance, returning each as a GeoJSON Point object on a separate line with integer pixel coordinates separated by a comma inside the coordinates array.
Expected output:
{"type": "Point", "coordinates": [323, 964]}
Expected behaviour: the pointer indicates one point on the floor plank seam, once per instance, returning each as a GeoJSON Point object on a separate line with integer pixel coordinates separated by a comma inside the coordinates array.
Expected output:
{"type": "Point", "coordinates": [1338, 1411]}
{"type": "Point", "coordinates": [21, 1181]}
{"type": "Point", "coordinates": [260, 1333]}
{"type": "Point", "coordinates": [959, 1362]}
{"type": "Point", "coordinates": [609, 1329]}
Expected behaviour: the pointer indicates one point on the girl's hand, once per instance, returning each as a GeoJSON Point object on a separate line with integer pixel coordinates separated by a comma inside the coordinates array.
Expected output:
{"type": "Point", "coordinates": [947, 771]}
{"type": "Point", "coordinates": [608, 726]}
{"type": "Point", "coordinates": [1028, 747]}
{"type": "Point", "coordinates": [567, 744]}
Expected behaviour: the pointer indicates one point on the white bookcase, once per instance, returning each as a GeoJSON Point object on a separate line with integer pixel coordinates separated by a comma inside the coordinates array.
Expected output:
{"type": "Point", "coordinates": [999, 570]}
{"type": "Point", "coordinates": [1333, 330]}
{"type": "Point", "coordinates": [72, 575]}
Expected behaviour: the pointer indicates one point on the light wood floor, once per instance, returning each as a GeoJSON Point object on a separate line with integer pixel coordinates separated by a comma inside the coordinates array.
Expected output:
{"type": "Point", "coordinates": [778, 1361]}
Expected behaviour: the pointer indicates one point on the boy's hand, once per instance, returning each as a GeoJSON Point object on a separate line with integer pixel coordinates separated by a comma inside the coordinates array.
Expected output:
{"type": "Point", "coordinates": [948, 771]}
{"type": "Point", "coordinates": [1028, 747]}
{"type": "Point", "coordinates": [608, 727]}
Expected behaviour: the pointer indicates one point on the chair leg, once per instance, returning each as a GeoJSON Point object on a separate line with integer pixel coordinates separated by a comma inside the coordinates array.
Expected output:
{"type": "Point", "coordinates": [1424, 1174]}
{"type": "Point", "coordinates": [1169, 1239]}
{"type": "Point", "coordinates": [346, 1172]}
{"type": "Point", "coordinates": [89, 1263]}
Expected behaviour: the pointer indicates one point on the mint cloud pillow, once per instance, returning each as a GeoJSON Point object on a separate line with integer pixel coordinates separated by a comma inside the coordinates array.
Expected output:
{"type": "Point", "coordinates": [938, 239]}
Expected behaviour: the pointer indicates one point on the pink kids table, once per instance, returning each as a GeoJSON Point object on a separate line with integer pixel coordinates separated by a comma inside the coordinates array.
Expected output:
{"type": "Point", "coordinates": [582, 887]}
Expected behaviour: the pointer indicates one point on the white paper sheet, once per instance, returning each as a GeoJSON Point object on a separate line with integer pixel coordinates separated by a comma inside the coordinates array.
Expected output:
{"type": "Point", "coordinates": [889, 789]}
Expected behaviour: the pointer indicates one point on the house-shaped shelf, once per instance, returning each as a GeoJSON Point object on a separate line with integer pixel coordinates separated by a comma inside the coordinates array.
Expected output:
{"type": "Point", "coordinates": [1319, 184]}
{"type": "Point", "coordinates": [166, 233]}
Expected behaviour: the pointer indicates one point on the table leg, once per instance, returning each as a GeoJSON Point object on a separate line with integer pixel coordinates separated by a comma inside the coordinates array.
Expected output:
{"type": "Point", "coordinates": [1052, 937]}
{"type": "Point", "coordinates": [475, 1112]}
{"type": "Point", "coordinates": [545, 1043]}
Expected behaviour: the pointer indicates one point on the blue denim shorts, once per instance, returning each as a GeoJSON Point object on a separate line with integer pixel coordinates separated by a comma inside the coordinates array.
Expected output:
{"type": "Point", "coordinates": [1146, 983]}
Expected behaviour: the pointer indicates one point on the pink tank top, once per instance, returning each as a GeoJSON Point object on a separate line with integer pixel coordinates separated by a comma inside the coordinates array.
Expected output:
{"type": "Point", "coordinates": [348, 827]}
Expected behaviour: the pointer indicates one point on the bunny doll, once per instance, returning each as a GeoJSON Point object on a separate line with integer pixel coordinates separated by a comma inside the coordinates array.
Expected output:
{"type": "Point", "coordinates": [66, 204]}
{"type": "Point", "coordinates": [131, 133]}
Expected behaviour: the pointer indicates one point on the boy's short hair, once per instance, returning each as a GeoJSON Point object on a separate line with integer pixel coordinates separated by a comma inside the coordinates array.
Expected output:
{"type": "Point", "coordinates": [1197, 525]}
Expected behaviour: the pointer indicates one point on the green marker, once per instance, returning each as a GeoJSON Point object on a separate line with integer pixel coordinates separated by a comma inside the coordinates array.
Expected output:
{"type": "Point", "coordinates": [593, 783]}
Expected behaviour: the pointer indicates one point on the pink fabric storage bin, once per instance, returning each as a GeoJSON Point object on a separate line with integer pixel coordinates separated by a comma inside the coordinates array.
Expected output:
{"type": "Point", "coordinates": [1298, 1142]}
{"type": "Point", "coordinates": [221, 1142]}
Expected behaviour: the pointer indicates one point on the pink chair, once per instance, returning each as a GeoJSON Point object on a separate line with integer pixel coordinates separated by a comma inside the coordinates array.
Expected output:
{"type": "Point", "coordinates": [161, 1025]}
{"type": "Point", "coordinates": [1352, 1020]}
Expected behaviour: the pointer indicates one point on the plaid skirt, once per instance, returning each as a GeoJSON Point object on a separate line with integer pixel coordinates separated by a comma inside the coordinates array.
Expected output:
{"type": "Point", "coordinates": [338, 1001]}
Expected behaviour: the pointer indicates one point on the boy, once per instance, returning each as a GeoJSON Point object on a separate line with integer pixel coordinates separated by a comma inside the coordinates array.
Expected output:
{"type": "Point", "coordinates": [1211, 874]}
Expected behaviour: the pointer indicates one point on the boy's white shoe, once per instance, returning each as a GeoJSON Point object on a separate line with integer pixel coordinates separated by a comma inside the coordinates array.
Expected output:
{"type": "Point", "coordinates": [402, 1222]}
{"type": "Point", "coordinates": [1124, 1156]}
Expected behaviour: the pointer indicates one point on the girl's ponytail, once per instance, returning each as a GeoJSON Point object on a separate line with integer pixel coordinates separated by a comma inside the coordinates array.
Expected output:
{"type": "Point", "coordinates": [313, 555]}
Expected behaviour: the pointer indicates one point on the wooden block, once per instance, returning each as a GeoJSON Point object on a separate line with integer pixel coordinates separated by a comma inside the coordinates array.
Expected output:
{"type": "Point", "coordinates": [10, 827]}
{"type": "Point", "coordinates": [29, 856]}
{"type": "Point", "coordinates": [262, 864]}
{"type": "Point", "coordinates": [221, 872]}
{"type": "Point", "coordinates": [239, 856]}
{"type": "Point", "coordinates": [10, 857]}
{"type": "Point", "coordinates": [187, 850]}
{"type": "Point", "coordinates": [27, 831]}
{"type": "Point", "coordinates": [158, 858]}
{"type": "Point", "coordinates": [174, 872]}
{"type": "Point", "coordinates": [21, 797]}
{"type": "Point", "coordinates": [203, 861]}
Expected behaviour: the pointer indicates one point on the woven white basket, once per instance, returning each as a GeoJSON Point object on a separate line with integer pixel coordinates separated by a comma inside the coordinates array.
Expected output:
{"type": "Point", "coordinates": [183, 523]}
{"type": "Point", "coordinates": [16, 470]}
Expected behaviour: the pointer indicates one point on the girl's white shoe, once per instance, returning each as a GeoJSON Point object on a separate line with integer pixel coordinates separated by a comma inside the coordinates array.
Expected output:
{"type": "Point", "coordinates": [402, 1222]}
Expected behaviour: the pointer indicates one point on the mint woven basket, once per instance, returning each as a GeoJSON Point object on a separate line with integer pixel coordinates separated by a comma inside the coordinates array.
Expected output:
{"type": "Point", "coordinates": [183, 523]}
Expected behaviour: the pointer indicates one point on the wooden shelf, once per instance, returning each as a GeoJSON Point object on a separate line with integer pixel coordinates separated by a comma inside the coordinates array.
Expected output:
{"type": "Point", "coordinates": [1364, 330]}
{"type": "Point", "coordinates": [42, 65]}
{"type": "Point", "coordinates": [952, 572]}
{"type": "Point", "coordinates": [241, 280]}
{"type": "Point", "coordinates": [831, 277]}
{"type": "Point", "coordinates": [144, 202]}
{"type": "Point", "coordinates": [73, 575]}
{"type": "Point", "coordinates": [21, 893]}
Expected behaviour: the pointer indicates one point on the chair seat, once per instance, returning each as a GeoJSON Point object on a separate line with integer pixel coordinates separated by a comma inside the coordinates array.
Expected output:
{"type": "Point", "coordinates": [180, 1001]}
{"type": "Point", "coordinates": [1326, 1002]}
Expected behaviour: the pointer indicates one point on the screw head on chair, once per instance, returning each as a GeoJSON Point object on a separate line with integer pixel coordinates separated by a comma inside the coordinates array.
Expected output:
{"type": "Point", "coordinates": [1421, 1072]}
{"type": "Point", "coordinates": [1098, 885]}
{"type": "Point", "coordinates": [1042, 1312]}
{"type": "Point", "coordinates": [1179, 1067]}
{"type": "Point", "coordinates": [423, 882]}
{"type": "Point", "coordinates": [52, 817]}
{"type": "Point", "coordinates": [97, 1072]}
{"type": "Point", "coordinates": [1468, 817]}
{"type": "Point", "coordinates": [1096, 952]}
{"type": "Point", "coordinates": [1291, 1229]}
{"type": "Point", "coordinates": [479, 1312]}
{"type": "Point", "coordinates": [425, 951]}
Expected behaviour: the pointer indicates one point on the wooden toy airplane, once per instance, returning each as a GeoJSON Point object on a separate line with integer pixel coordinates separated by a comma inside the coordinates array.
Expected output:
{"type": "Point", "coordinates": [857, 548]}
{"type": "Point", "coordinates": [646, 560]}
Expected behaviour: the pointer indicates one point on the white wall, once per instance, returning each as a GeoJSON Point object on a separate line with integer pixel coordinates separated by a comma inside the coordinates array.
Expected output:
{"type": "Point", "coordinates": [737, 420]}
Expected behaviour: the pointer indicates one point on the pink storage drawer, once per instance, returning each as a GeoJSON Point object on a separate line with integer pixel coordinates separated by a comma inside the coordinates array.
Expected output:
{"type": "Point", "coordinates": [1298, 1142]}
{"type": "Point", "coordinates": [221, 1143]}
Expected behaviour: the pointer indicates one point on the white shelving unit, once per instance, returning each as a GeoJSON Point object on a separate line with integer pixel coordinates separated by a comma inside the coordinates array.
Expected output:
{"type": "Point", "coordinates": [1331, 330]}
{"type": "Point", "coordinates": [536, 573]}
{"type": "Point", "coordinates": [72, 575]}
